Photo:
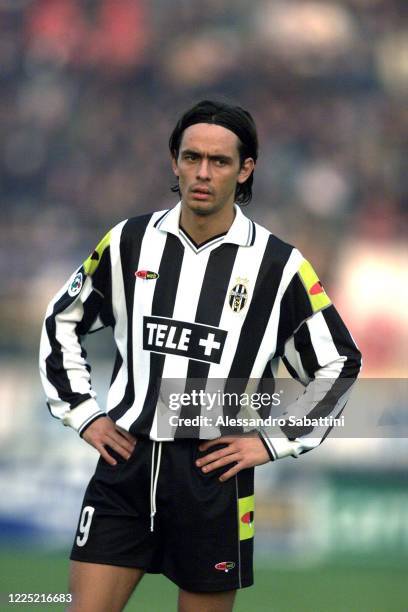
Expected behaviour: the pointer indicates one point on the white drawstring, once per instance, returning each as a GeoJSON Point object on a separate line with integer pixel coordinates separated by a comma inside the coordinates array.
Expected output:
{"type": "Point", "coordinates": [154, 476]}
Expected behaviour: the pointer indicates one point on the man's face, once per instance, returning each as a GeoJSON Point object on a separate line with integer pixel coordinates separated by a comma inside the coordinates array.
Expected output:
{"type": "Point", "coordinates": [208, 168]}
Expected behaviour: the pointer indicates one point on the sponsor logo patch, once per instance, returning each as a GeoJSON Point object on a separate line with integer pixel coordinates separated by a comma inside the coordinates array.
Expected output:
{"type": "Point", "coordinates": [225, 566]}
{"type": "Point", "coordinates": [76, 285]}
{"type": "Point", "coordinates": [238, 295]}
{"type": "Point", "coordinates": [191, 340]}
{"type": "Point", "coordinates": [316, 288]}
{"type": "Point", "coordinates": [247, 518]}
{"type": "Point", "coordinates": [146, 274]}
{"type": "Point", "coordinates": [317, 296]}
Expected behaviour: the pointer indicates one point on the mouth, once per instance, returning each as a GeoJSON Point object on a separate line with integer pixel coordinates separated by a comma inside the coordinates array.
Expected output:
{"type": "Point", "coordinates": [201, 193]}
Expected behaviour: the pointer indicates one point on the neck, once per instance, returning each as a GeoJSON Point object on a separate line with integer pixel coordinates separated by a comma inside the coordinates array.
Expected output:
{"type": "Point", "coordinates": [204, 227]}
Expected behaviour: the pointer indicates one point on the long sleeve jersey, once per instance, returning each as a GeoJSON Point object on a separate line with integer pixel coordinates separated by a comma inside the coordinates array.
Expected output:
{"type": "Point", "coordinates": [227, 309]}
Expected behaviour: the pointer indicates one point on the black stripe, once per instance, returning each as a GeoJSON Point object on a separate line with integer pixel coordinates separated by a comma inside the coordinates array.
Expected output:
{"type": "Point", "coordinates": [92, 306]}
{"type": "Point", "coordinates": [304, 346]}
{"type": "Point", "coordinates": [102, 281]}
{"type": "Point", "coordinates": [56, 373]}
{"type": "Point", "coordinates": [164, 299]}
{"type": "Point", "coordinates": [209, 310]}
{"type": "Point", "coordinates": [266, 385]}
{"type": "Point", "coordinates": [130, 245]}
{"type": "Point", "coordinates": [290, 368]}
{"type": "Point", "coordinates": [295, 308]}
{"type": "Point", "coordinates": [266, 287]}
{"type": "Point", "coordinates": [99, 301]}
{"type": "Point", "coordinates": [253, 234]}
{"type": "Point", "coordinates": [343, 342]}
{"type": "Point", "coordinates": [328, 403]}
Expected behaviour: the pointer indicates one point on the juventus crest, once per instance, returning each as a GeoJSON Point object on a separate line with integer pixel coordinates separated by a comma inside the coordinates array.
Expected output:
{"type": "Point", "coordinates": [238, 296]}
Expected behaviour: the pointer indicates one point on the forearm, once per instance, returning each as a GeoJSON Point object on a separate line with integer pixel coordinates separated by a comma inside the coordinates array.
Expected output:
{"type": "Point", "coordinates": [327, 387]}
{"type": "Point", "coordinates": [310, 418]}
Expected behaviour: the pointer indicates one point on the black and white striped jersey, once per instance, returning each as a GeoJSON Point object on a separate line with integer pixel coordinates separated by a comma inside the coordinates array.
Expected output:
{"type": "Point", "coordinates": [227, 309]}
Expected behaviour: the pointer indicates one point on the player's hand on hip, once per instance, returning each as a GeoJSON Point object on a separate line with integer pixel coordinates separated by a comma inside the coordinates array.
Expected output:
{"type": "Point", "coordinates": [104, 432]}
{"type": "Point", "coordinates": [244, 451]}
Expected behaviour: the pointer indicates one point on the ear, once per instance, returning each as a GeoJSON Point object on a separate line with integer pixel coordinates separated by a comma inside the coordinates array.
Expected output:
{"type": "Point", "coordinates": [174, 166]}
{"type": "Point", "coordinates": [246, 170]}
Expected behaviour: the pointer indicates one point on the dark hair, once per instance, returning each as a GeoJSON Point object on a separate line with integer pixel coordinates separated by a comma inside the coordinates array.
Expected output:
{"type": "Point", "coordinates": [233, 118]}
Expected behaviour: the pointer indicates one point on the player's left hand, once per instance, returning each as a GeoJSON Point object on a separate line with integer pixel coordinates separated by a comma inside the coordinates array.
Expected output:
{"type": "Point", "coordinates": [243, 451]}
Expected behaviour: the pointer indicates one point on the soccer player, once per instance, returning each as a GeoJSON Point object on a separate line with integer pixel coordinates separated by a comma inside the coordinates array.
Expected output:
{"type": "Point", "coordinates": [193, 293]}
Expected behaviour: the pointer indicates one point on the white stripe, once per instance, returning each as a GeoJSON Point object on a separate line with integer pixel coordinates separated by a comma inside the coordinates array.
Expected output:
{"type": "Point", "coordinates": [322, 341]}
{"type": "Point", "coordinates": [118, 387]}
{"type": "Point", "coordinates": [238, 534]}
{"type": "Point", "coordinates": [185, 308]}
{"type": "Point", "coordinates": [73, 362]}
{"type": "Point", "coordinates": [151, 252]}
{"type": "Point", "coordinates": [58, 407]}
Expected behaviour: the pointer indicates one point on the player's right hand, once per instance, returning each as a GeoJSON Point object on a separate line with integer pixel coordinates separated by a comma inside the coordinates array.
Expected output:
{"type": "Point", "coordinates": [104, 432]}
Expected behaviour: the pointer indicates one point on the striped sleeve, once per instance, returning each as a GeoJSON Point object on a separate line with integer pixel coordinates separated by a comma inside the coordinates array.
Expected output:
{"type": "Point", "coordinates": [83, 305]}
{"type": "Point", "coordinates": [318, 351]}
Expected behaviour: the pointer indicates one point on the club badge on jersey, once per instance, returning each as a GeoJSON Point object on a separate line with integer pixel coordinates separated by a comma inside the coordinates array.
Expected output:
{"type": "Point", "coordinates": [238, 295]}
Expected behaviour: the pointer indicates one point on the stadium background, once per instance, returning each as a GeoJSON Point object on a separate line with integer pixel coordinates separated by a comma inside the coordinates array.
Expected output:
{"type": "Point", "coordinates": [90, 91]}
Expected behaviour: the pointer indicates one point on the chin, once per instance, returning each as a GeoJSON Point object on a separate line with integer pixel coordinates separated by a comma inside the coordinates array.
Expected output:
{"type": "Point", "coordinates": [202, 209]}
{"type": "Point", "coordinates": [202, 212]}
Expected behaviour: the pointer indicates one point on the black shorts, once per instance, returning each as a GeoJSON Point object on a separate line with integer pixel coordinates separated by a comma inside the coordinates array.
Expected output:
{"type": "Point", "coordinates": [203, 529]}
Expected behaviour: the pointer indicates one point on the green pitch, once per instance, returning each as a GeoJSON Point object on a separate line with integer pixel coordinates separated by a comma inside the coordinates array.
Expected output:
{"type": "Point", "coordinates": [329, 588]}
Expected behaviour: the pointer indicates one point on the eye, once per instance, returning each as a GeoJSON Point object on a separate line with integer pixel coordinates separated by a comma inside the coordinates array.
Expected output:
{"type": "Point", "coordinates": [220, 162]}
{"type": "Point", "coordinates": [190, 156]}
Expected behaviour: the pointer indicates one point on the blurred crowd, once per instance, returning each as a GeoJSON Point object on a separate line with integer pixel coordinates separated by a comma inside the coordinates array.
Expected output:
{"type": "Point", "coordinates": [91, 90]}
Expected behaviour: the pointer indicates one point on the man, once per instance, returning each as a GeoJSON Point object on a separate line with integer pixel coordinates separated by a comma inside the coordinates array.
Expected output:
{"type": "Point", "coordinates": [195, 293]}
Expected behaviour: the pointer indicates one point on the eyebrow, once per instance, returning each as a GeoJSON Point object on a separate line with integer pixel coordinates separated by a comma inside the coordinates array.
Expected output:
{"type": "Point", "coordinates": [218, 156]}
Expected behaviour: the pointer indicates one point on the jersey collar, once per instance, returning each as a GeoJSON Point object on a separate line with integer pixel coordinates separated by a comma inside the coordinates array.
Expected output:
{"type": "Point", "coordinates": [241, 232]}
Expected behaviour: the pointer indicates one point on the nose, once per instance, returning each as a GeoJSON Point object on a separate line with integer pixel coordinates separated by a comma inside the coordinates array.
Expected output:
{"type": "Point", "coordinates": [203, 170]}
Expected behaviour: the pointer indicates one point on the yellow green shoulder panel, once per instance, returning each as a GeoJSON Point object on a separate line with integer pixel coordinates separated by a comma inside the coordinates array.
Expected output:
{"type": "Point", "coordinates": [314, 288]}
{"type": "Point", "coordinates": [92, 262]}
